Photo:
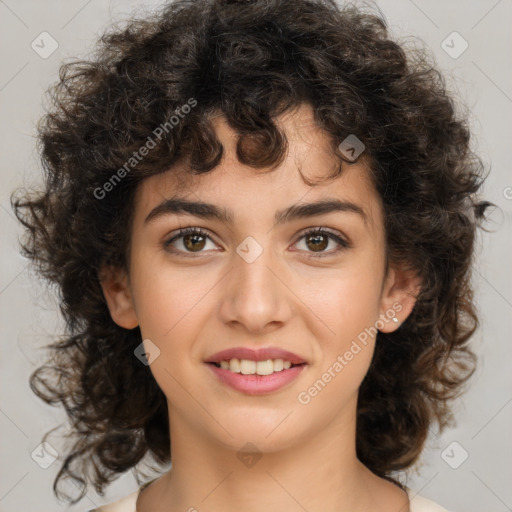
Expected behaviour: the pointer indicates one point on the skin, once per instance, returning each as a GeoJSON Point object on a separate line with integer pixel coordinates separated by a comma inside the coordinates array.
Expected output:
{"type": "Point", "coordinates": [191, 308]}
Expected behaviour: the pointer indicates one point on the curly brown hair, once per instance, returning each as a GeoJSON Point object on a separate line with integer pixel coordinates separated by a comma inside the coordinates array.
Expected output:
{"type": "Point", "coordinates": [250, 61]}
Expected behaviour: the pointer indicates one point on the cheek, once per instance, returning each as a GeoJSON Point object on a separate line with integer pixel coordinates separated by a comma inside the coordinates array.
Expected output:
{"type": "Point", "coordinates": [167, 301]}
{"type": "Point", "coordinates": [170, 305]}
{"type": "Point", "coordinates": [349, 309]}
{"type": "Point", "coordinates": [166, 298]}
{"type": "Point", "coordinates": [346, 300]}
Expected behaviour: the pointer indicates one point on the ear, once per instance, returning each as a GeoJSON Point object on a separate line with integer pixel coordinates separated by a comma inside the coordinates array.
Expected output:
{"type": "Point", "coordinates": [116, 289]}
{"type": "Point", "coordinates": [399, 293]}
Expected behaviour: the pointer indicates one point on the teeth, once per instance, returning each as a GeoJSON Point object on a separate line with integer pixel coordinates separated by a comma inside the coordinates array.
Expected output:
{"type": "Point", "coordinates": [278, 365]}
{"type": "Point", "coordinates": [248, 367]}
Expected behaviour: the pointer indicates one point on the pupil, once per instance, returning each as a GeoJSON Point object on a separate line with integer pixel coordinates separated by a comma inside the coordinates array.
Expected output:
{"type": "Point", "coordinates": [194, 243]}
{"type": "Point", "coordinates": [316, 244]}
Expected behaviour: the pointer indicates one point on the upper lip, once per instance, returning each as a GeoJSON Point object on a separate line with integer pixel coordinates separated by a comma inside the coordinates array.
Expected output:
{"type": "Point", "coordinates": [255, 354]}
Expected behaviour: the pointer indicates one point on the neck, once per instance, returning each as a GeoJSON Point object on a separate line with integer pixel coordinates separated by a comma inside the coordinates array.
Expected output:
{"type": "Point", "coordinates": [320, 472]}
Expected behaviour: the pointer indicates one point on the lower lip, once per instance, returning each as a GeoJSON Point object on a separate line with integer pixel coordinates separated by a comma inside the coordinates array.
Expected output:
{"type": "Point", "coordinates": [257, 384]}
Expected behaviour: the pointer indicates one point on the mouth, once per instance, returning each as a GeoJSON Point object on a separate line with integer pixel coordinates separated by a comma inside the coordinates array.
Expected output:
{"type": "Point", "coordinates": [251, 367]}
{"type": "Point", "coordinates": [256, 377]}
{"type": "Point", "coordinates": [256, 371]}
{"type": "Point", "coordinates": [257, 355]}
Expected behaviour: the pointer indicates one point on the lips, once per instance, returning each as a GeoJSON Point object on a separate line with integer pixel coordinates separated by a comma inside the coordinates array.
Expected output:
{"type": "Point", "coordinates": [257, 384]}
{"type": "Point", "coordinates": [259, 354]}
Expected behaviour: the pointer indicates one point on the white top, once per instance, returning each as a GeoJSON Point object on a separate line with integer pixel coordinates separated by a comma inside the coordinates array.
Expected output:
{"type": "Point", "coordinates": [127, 504]}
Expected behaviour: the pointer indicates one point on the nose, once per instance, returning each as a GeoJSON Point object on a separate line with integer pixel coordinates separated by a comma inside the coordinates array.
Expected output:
{"type": "Point", "coordinates": [256, 296]}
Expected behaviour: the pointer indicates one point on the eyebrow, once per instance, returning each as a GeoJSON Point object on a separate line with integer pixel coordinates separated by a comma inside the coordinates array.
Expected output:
{"type": "Point", "coordinates": [296, 211]}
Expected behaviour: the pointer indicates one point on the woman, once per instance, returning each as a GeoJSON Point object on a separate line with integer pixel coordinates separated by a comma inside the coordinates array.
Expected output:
{"type": "Point", "coordinates": [261, 217]}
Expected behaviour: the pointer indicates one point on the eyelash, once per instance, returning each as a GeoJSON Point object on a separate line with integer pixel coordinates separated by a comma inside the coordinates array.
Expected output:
{"type": "Point", "coordinates": [316, 231]}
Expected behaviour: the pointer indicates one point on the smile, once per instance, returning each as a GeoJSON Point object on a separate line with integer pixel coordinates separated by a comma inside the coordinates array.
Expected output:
{"type": "Point", "coordinates": [249, 367]}
{"type": "Point", "coordinates": [256, 377]}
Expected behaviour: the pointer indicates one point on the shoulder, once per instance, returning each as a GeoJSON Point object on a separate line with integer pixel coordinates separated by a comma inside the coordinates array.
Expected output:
{"type": "Point", "coordinates": [421, 504]}
{"type": "Point", "coordinates": [126, 504]}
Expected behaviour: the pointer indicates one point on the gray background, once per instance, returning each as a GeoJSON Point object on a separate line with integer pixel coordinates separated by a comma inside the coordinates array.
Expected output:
{"type": "Point", "coordinates": [480, 76]}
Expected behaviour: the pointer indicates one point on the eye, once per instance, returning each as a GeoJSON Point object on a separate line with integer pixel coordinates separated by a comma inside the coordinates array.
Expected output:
{"type": "Point", "coordinates": [192, 240]}
{"type": "Point", "coordinates": [318, 239]}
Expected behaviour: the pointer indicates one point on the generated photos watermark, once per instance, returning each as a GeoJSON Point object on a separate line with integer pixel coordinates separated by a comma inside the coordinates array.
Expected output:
{"type": "Point", "coordinates": [151, 143]}
{"type": "Point", "coordinates": [305, 397]}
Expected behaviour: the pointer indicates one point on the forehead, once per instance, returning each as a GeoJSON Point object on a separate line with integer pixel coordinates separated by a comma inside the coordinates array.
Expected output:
{"type": "Point", "coordinates": [239, 187]}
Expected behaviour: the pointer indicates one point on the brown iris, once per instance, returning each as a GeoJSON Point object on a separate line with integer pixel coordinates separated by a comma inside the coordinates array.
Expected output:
{"type": "Point", "coordinates": [194, 241]}
{"type": "Point", "coordinates": [320, 241]}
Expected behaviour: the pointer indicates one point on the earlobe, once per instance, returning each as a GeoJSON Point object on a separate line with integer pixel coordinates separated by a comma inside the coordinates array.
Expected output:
{"type": "Point", "coordinates": [116, 290]}
{"type": "Point", "coordinates": [398, 298]}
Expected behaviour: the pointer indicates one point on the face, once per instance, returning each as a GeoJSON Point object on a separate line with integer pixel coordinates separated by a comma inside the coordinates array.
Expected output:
{"type": "Point", "coordinates": [314, 285]}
